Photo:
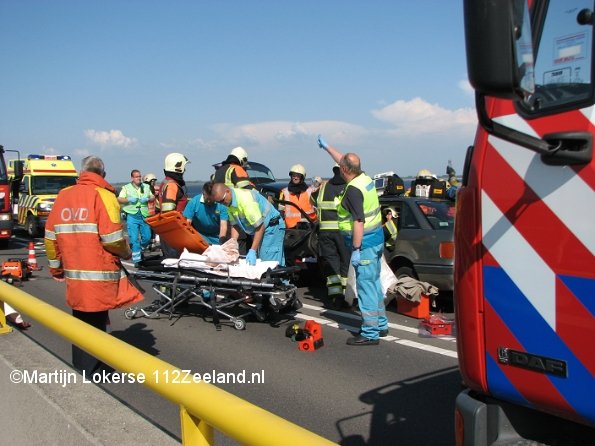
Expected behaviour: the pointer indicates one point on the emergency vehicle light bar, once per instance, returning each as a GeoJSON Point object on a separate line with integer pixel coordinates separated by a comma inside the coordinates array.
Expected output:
{"type": "Point", "coordinates": [48, 157]}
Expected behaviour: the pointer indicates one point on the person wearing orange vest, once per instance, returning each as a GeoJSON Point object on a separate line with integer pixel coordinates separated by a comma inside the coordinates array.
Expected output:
{"type": "Point", "coordinates": [172, 193]}
{"type": "Point", "coordinates": [299, 194]}
{"type": "Point", "coordinates": [84, 241]}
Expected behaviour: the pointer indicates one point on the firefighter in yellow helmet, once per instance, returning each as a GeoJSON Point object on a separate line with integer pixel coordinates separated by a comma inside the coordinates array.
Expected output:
{"type": "Point", "coordinates": [299, 194]}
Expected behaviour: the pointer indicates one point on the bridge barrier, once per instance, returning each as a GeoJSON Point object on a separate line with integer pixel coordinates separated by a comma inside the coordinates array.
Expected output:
{"type": "Point", "coordinates": [203, 407]}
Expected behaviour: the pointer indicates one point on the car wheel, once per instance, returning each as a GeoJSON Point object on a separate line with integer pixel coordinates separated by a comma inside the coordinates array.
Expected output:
{"type": "Point", "coordinates": [31, 226]}
{"type": "Point", "coordinates": [405, 271]}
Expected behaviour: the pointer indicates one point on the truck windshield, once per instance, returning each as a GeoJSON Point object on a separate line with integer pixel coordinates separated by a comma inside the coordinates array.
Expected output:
{"type": "Point", "coordinates": [50, 185]}
{"type": "Point", "coordinates": [3, 174]}
{"type": "Point", "coordinates": [563, 68]}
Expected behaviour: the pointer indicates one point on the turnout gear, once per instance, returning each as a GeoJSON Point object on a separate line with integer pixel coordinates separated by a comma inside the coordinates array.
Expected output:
{"type": "Point", "coordinates": [331, 247]}
{"type": "Point", "coordinates": [172, 196]}
{"type": "Point", "coordinates": [175, 162]}
{"type": "Point", "coordinates": [85, 220]}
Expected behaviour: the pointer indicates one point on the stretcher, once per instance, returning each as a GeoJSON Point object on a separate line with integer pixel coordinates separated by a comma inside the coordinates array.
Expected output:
{"type": "Point", "coordinates": [219, 292]}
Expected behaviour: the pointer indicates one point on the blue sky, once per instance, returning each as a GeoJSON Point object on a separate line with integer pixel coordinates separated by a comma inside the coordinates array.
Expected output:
{"type": "Point", "coordinates": [131, 81]}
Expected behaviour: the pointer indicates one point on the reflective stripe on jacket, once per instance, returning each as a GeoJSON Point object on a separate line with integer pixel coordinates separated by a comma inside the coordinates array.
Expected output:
{"type": "Point", "coordinates": [373, 234]}
{"type": "Point", "coordinates": [172, 196]}
{"type": "Point", "coordinates": [326, 206]}
{"type": "Point", "coordinates": [83, 239]}
{"type": "Point", "coordinates": [304, 201]}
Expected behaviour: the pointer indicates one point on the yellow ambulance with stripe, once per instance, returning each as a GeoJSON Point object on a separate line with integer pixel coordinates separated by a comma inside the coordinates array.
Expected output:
{"type": "Point", "coordinates": [34, 193]}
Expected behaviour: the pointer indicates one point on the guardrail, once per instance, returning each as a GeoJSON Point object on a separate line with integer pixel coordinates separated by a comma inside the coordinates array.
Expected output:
{"type": "Point", "coordinates": [203, 407]}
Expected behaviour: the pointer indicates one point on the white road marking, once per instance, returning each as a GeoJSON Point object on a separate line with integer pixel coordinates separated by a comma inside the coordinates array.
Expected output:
{"type": "Point", "coordinates": [389, 338]}
{"type": "Point", "coordinates": [413, 330]}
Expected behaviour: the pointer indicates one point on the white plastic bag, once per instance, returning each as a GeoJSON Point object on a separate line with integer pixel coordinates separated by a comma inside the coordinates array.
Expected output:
{"type": "Point", "coordinates": [387, 280]}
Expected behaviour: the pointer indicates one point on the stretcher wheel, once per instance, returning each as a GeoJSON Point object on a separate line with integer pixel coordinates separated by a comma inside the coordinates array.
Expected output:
{"type": "Point", "coordinates": [130, 313]}
{"type": "Point", "coordinates": [239, 324]}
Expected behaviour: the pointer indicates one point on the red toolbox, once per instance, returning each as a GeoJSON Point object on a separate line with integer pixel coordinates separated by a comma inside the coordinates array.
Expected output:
{"type": "Point", "coordinates": [417, 310]}
{"type": "Point", "coordinates": [437, 325]}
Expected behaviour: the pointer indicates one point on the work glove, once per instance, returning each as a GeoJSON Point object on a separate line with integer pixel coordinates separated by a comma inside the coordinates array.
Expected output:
{"type": "Point", "coordinates": [132, 200]}
{"type": "Point", "coordinates": [322, 143]}
{"type": "Point", "coordinates": [144, 200]}
{"type": "Point", "coordinates": [356, 258]}
{"type": "Point", "coordinates": [251, 257]}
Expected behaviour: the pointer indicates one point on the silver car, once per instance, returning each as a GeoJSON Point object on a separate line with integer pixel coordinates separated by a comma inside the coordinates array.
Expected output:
{"type": "Point", "coordinates": [424, 248]}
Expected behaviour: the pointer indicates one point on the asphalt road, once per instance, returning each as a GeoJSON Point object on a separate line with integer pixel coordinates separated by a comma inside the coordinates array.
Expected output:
{"type": "Point", "coordinates": [400, 392]}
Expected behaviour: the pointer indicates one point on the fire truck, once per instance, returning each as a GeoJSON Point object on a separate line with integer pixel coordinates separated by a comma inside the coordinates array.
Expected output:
{"type": "Point", "coordinates": [35, 190]}
{"type": "Point", "coordinates": [525, 231]}
{"type": "Point", "coordinates": [5, 208]}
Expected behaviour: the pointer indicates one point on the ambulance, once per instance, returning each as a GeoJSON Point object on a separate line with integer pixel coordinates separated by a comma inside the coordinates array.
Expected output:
{"type": "Point", "coordinates": [525, 227]}
{"type": "Point", "coordinates": [34, 193]}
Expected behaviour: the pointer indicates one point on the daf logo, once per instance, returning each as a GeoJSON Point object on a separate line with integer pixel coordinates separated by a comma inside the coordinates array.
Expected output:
{"type": "Point", "coordinates": [53, 164]}
{"type": "Point", "coordinates": [536, 363]}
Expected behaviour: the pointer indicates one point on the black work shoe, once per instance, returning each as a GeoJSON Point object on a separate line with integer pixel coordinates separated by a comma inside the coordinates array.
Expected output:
{"type": "Point", "coordinates": [381, 333]}
{"type": "Point", "coordinates": [362, 340]}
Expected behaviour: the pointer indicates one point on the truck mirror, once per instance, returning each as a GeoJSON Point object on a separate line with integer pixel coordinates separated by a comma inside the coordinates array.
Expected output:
{"type": "Point", "coordinates": [18, 169]}
{"type": "Point", "coordinates": [499, 47]}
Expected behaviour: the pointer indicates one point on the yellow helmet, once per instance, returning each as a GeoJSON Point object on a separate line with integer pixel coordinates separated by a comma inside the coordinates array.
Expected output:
{"type": "Point", "coordinates": [424, 173]}
{"type": "Point", "coordinates": [298, 168]}
{"type": "Point", "coordinates": [149, 177]}
{"type": "Point", "coordinates": [175, 162]}
{"type": "Point", "coordinates": [240, 154]}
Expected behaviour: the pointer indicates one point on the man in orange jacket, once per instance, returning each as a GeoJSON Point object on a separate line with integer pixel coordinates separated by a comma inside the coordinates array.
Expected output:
{"type": "Point", "coordinates": [84, 241]}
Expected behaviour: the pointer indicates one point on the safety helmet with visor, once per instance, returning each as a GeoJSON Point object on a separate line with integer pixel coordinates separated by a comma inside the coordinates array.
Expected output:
{"type": "Point", "coordinates": [298, 168]}
{"type": "Point", "coordinates": [175, 162]}
{"type": "Point", "coordinates": [149, 177]}
{"type": "Point", "coordinates": [240, 154]}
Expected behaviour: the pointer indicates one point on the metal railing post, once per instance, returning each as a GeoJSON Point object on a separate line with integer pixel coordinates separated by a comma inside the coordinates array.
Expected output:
{"type": "Point", "coordinates": [195, 432]}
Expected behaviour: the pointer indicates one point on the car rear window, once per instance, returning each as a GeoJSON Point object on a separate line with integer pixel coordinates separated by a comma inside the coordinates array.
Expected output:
{"type": "Point", "coordinates": [440, 214]}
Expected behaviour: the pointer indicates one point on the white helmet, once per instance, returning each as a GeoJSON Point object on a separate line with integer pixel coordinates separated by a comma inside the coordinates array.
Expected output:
{"type": "Point", "coordinates": [425, 173]}
{"type": "Point", "coordinates": [298, 168]}
{"type": "Point", "coordinates": [175, 162]}
{"type": "Point", "coordinates": [149, 177]}
{"type": "Point", "coordinates": [240, 154]}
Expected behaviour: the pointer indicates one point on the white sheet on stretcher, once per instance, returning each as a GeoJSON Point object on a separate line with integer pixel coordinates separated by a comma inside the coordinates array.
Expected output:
{"type": "Point", "coordinates": [240, 269]}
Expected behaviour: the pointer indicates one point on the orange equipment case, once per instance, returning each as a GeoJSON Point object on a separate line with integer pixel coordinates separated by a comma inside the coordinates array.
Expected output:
{"type": "Point", "coordinates": [417, 310]}
{"type": "Point", "coordinates": [175, 230]}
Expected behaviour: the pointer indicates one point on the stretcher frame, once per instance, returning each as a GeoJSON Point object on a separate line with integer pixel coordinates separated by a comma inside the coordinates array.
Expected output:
{"type": "Point", "coordinates": [177, 286]}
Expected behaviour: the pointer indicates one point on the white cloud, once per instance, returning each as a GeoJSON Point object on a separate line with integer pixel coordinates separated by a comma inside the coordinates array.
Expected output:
{"type": "Point", "coordinates": [466, 87]}
{"type": "Point", "coordinates": [110, 139]}
{"type": "Point", "coordinates": [417, 117]}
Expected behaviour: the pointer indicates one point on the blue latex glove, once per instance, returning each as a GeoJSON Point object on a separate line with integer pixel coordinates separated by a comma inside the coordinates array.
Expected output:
{"type": "Point", "coordinates": [132, 200]}
{"type": "Point", "coordinates": [251, 257]}
{"type": "Point", "coordinates": [356, 258]}
{"type": "Point", "coordinates": [322, 143]}
{"type": "Point", "coordinates": [144, 200]}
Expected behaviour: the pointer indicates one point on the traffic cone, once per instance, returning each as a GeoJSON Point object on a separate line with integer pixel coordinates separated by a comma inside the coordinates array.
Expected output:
{"type": "Point", "coordinates": [31, 259]}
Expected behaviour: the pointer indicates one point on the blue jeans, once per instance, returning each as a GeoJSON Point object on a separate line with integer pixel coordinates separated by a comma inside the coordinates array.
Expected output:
{"type": "Point", "coordinates": [369, 292]}
{"type": "Point", "coordinates": [139, 234]}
